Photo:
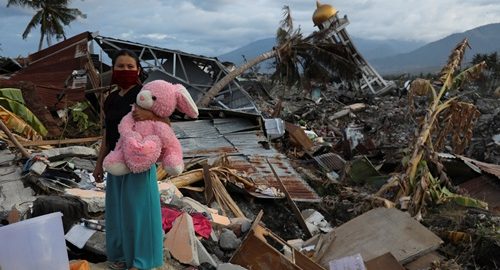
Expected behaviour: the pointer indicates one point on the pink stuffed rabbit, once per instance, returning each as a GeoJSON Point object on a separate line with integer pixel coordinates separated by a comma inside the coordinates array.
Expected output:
{"type": "Point", "coordinates": [145, 142]}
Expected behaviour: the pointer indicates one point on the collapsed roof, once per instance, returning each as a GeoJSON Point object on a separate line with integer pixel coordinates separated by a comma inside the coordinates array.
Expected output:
{"type": "Point", "coordinates": [62, 72]}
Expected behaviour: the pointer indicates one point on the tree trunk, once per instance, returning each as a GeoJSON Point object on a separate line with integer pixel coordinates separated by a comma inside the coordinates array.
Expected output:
{"type": "Point", "coordinates": [41, 41]}
{"type": "Point", "coordinates": [217, 87]}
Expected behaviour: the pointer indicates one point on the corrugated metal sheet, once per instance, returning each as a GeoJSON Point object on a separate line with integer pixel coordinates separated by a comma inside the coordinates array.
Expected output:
{"type": "Point", "coordinates": [330, 162]}
{"type": "Point", "coordinates": [49, 69]}
{"type": "Point", "coordinates": [476, 165]}
{"type": "Point", "coordinates": [209, 138]}
{"type": "Point", "coordinates": [485, 167]}
{"type": "Point", "coordinates": [229, 125]}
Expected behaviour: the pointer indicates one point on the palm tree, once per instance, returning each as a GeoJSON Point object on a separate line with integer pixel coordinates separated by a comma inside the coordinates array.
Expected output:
{"type": "Point", "coordinates": [51, 15]}
{"type": "Point", "coordinates": [296, 58]}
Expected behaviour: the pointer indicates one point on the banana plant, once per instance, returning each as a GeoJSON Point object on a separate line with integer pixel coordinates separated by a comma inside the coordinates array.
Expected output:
{"type": "Point", "coordinates": [12, 100]}
{"type": "Point", "coordinates": [18, 125]}
{"type": "Point", "coordinates": [445, 117]}
{"type": "Point", "coordinates": [12, 93]}
{"type": "Point", "coordinates": [24, 113]}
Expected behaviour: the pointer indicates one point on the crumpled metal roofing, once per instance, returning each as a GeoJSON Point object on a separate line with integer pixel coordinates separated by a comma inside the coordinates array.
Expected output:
{"type": "Point", "coordinates": [476, 165]}
{"type": "Point", "coordinates": [50, 68]}
{"type": "Point", "coordinates": [239, 139]}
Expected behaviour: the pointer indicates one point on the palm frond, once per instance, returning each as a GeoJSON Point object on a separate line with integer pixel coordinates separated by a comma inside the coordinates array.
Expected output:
{"type": "Point", "coordinates": [32, 24]}
{"type": "Point", "coordinates": [21, 3]}
{"type": "Point", "coordinates": [287, 21]}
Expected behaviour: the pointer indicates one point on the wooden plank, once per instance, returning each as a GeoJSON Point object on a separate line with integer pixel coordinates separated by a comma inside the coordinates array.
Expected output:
{"type": "Point", "coordinates": [209, 192]}
{"type": "Point", "coordinates": [298, 136]}
{"type": "Point", "coordinates": [64, 141]}
{"type": "Point", "coordinates": [379, 231]}
{"type": "Point", "coordinates": [257, 254]}
{"type": "Point", "coordinates": [304, 262]}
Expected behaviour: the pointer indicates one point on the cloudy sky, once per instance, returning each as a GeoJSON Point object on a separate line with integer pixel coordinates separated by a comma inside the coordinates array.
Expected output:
{"type": "Point", "coordinates": [214, 27]}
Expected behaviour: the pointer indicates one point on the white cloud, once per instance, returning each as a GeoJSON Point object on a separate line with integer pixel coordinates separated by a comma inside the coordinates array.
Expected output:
{"type": "Point", "coordinates": [157, 36]}
{"type": "Point", "coordinates": [216, 26]}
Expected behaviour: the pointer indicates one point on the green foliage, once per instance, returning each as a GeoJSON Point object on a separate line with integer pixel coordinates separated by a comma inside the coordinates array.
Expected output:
{"type": "Point", "coordinates": [12, 93]}
{"type": "Point", "coordinates": [440, 194]}
{"type": "Point", "coordinates": [80, 118]}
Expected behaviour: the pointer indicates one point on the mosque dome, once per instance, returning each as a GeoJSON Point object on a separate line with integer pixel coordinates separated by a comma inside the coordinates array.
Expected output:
{"type": "Point", "coordinates": [322, 13]}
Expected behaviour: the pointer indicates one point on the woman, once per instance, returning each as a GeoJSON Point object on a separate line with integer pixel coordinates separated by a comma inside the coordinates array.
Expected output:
{"type": "Point", "coordinates": [134, 235]}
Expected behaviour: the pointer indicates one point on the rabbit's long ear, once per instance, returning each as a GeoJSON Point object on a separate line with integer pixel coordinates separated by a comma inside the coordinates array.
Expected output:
{"type": "Point", "coordinates": [185, 102]}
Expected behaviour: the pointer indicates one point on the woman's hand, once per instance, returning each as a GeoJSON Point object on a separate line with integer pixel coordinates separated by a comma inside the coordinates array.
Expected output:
{"type": "Point", "coordinates": [140, 114]}
{"type": "Point", "coordinates": [98, 173]}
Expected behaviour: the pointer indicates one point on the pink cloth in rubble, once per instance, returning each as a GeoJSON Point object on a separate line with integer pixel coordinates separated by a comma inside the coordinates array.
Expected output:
{"type": "Point", "coordinates": [201, 223]}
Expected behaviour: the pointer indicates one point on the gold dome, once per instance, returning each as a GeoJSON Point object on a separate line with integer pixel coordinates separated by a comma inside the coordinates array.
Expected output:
{"type": "Point", "coordinates": [322, 13]}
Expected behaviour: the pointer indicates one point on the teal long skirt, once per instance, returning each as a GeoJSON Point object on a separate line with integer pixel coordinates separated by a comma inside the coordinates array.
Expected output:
{"type": "Point", "coordinates": [134, 233]}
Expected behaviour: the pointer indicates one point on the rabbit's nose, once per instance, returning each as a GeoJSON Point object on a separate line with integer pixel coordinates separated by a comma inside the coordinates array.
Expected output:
{"type": "Point", "coordinates": [141, 98]}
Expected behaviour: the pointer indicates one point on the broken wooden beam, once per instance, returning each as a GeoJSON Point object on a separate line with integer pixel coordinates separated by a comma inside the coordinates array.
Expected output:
{"type": "Point", "coordinates": [62, 141]}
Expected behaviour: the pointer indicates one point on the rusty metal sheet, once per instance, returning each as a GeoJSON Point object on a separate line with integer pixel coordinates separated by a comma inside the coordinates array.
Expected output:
{"type": "Point", "coordinates": [59, 46]}
{"type": "Point", "coordinates": [203, 138]}
{"type": "Point", "coordinates": [257, 168]}
{"type": "Point", "coordinates": [485, 167]}
{"type": "Point", "coordinates": [484, 188]}
{"type": "Point", "coordinates": [49, 69]}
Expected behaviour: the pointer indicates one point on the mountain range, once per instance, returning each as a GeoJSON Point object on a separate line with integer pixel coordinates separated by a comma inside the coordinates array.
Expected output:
{"type": "Point", "coordinates": [396, 56]}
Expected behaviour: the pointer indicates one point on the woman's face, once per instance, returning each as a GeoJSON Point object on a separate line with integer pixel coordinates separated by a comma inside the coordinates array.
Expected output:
{"type": "Point", "coordinates": [125, 62]}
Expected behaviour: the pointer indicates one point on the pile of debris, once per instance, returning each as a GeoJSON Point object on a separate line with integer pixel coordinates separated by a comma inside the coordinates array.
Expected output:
{"type": "Point", "coordinates": [294, 182]}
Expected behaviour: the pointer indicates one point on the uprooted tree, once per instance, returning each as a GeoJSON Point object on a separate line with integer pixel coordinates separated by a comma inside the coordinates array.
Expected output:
{"type": "Point", "coordinates": [446, 119]}
{"type": "Point", "coordinates": [296, 58]}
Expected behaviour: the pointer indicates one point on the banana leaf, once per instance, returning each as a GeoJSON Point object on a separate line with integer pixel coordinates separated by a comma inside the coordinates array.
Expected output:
{"type": "Point", "coordinates": [12, 93]}
{"type": "Point", "coordinates": [464, 200]}
{"type": "Point", "coordinates": [25, 113]}
{"type": "Point", "coordinates": [17, 125]}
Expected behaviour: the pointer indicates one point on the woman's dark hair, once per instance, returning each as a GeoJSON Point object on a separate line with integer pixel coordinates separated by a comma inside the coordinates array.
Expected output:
{"type": "Point", "coordinates": [127, 52]}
